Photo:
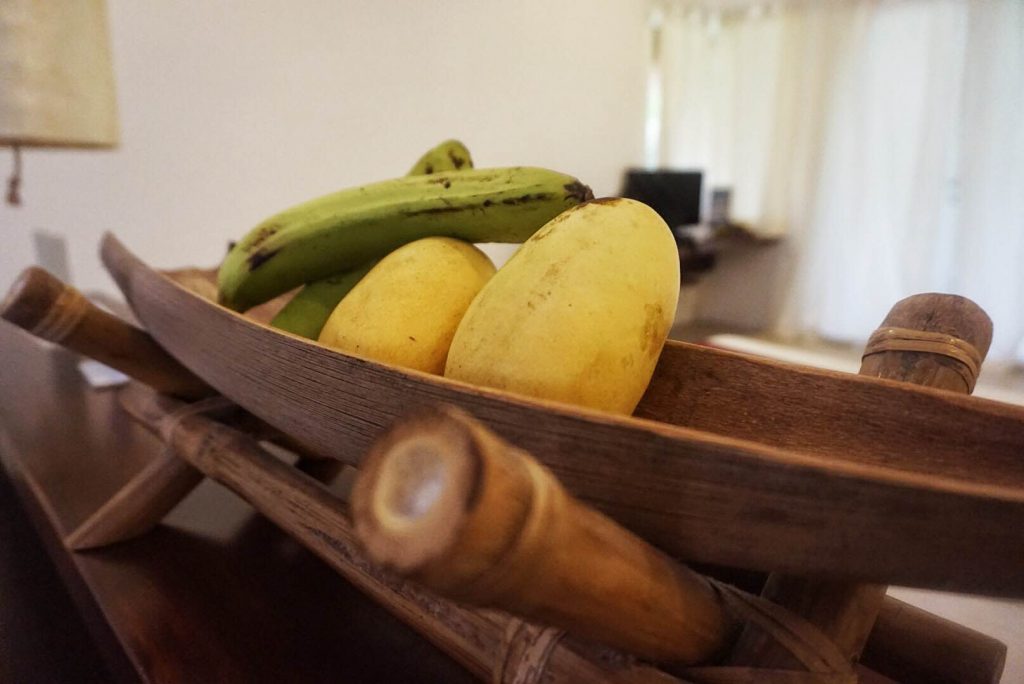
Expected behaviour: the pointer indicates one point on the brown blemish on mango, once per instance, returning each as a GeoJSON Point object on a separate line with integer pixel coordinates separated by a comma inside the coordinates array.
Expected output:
{"type": "Point", "coordinates": [654, 330]}
{"type": "Point", "coordinates": [553, 270]}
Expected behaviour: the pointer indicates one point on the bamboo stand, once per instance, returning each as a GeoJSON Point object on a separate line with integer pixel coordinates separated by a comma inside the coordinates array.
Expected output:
{"type": "Point", "coordinates": [47, 308]}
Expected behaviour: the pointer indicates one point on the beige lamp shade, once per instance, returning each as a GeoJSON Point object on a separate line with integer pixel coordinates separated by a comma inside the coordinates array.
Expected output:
{"type": "Point", "coordinates": [56, 80]}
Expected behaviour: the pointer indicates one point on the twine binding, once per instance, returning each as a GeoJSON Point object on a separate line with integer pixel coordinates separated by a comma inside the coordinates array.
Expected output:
{"type": "Point", "coordinates": [906, 339]}
{"type": "Point", "coordinates": [525, 651]}
{"type": "Point", "coordinates": [823, 661]}
{"type": "Point", "coordinates": [170, 424]}
{"type": "Point", "coordinates": [527, 648]}
{"type": "Point", "coordinates": [63, 316]}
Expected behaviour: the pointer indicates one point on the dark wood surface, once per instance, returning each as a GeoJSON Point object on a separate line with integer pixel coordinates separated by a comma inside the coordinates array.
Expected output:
{"type": "Point", "coordinates": [216, 593]}
{"type": "Point", "coordinates": [33, 601]}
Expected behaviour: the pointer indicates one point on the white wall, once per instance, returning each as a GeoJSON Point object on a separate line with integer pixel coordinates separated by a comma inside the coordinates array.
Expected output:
{"type": "Point", "coordinates": [231, 111]}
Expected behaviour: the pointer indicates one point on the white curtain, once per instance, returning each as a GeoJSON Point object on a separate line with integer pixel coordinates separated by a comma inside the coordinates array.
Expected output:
{"type": "Point", "coordinates": [883, 138]}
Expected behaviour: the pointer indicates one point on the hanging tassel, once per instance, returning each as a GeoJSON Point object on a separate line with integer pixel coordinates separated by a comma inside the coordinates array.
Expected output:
{"type": "Point", "coordinates": [14, 182]}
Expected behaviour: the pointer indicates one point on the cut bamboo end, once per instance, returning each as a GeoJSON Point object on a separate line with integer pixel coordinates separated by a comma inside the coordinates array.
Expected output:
{"type": "Point", "coordinates": [422, 491]}
{"type": "Point", "coordinates": [937, 340]}
{"type": "Point", "coordinates": [415, 505]}
{"type": "Point", "coordinates": [52, 310]}
{"type": "Point", "coordinates": [946, 313]}
{"type": "Point", "coordinates": [447, 503]}
{"type": "Point", "coordinates": [33, 298]}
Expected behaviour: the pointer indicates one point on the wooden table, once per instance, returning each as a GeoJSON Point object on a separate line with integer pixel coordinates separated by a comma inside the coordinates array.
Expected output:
{"type": "Point", "coordinates": [216, 593]}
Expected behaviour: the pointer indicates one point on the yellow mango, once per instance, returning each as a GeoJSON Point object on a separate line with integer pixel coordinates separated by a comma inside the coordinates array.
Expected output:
{"type": "Point", "coordinates": [406, 309]}
{"type": "Point", "coordinates": [580, 313]}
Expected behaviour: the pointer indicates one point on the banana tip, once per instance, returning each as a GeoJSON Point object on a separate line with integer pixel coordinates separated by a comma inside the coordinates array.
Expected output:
{"type": "Point", "coordinates": [579, 192]}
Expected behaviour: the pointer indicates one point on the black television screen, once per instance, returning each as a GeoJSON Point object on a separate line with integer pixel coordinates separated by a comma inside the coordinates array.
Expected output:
{"type": "Point", "coordinates": [673, 194]}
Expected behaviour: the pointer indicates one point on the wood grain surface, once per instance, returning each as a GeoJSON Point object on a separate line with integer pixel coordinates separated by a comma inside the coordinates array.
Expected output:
{"type": "Point", "coordinates": [751, 463]}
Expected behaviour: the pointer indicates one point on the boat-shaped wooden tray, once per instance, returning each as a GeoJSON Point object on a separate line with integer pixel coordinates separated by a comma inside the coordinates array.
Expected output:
{"type": "Point", "coordinates": [729, 459]}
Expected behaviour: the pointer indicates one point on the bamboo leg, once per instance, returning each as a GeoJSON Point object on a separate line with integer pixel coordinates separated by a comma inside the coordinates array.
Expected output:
{"type": "Point", "coordinates": [138, 506]}
{"type": "Point", "coordinates": [903, 643]}
{"type": "Point", "coordinates": [491, 645]}
{"type": "Point", "coordinates": [922, 340]}
{"type": "Point", "coordinates": [914, 646]}
{"type": "Point", "coordinates": [44, 306]}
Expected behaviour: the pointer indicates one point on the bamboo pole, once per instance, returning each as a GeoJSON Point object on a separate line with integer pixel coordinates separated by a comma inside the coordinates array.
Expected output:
{"type": "Point", "coordinates": [914, 646]}
{"type": "Point", "coordinates": [491, 645]}
{"type": "Point", "coordinates": [44, 306]}
{"type": "Point", "coordinates": [526, 641]}
{"type": "Point", "coordinates": [442, 500]}
{"type": "Point", "coordinates": [928, 339]}
{"type": "Point", "coordinates": [41, 304]}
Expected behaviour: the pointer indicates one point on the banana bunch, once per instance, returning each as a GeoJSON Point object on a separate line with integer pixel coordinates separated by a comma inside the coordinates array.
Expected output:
{"type": "Point", "coordinates": [307, 311]}
{"type": "Point", "coordinates": [347, 229]}
{"type": "Point", "coordinates": [579, 315]}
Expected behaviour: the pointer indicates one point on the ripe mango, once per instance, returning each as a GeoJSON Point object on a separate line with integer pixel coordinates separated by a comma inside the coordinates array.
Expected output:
{"type": "Point", "coordinates": [406, 309]}
{"type": "Point", "coordinates": [580, 312]}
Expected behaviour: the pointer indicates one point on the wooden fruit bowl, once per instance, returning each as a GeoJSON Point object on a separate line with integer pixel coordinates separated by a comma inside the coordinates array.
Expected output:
{"type": "Point", "coordinates": [729, 459]}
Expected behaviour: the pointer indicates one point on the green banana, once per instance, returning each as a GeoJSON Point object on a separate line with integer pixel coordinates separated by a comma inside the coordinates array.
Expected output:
{"type": "Point", "coordinates": [306, 312]}
{"type": "Point", "coordinates": [310, 307]}
{"type": "Point", "coordinates": [451, 155]}
{"type": "Point", "coordinates": [342, 230]}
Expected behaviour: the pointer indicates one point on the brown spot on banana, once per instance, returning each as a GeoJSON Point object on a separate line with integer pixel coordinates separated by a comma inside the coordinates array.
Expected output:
{"type": "Point", "coordinates": [257, 259]}
{"type": "Point", "coordinates": [263, 233]}
{"type": "Point", "coordinates": [523, 199]}
{"type": "Point", "coordinates": [457, 161]}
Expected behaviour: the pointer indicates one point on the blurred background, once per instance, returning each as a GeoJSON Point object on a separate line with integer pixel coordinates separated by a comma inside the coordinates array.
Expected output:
{"type": "Point", "coordinates": [818, 160]}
